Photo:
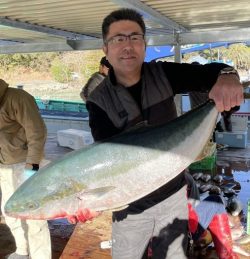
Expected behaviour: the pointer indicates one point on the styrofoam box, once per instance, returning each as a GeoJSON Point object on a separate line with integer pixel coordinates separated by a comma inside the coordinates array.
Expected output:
{"type": "Point", "coordinates": [232, 139]}
{"type": "Point", "coordinates": [74, 138]}
{"type": "Point", "coordinates": [239, 122]}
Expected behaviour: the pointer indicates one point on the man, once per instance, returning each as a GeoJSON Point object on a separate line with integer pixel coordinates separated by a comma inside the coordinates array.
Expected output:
{"type": "Point", "coordinates": [136, 91]}
{"type": "Point", "coordinates": [22, 139]}
{"type": "Point", "coordinates": [95, 79]}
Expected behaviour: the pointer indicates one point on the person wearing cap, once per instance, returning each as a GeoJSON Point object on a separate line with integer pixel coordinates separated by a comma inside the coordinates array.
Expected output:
{"type": "Point", "coordinates": [95, 79]}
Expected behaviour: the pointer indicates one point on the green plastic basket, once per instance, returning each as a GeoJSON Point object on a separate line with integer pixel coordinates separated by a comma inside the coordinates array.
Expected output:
{"type": "Point", "coordinates": [61, 105]}
{"type": "Point", "coordinates": [208, 163]}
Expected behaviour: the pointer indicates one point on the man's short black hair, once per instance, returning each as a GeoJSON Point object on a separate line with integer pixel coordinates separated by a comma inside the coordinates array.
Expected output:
{"type": "Point", "coordinates": [119, 15]}
{"type": "Point", "coordinates": [105, 62]}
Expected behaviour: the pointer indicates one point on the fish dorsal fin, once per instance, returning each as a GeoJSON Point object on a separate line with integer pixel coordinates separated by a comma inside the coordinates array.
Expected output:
{"type": "Point", "coordinates": [139, 126]}
{"type": "Point", "coordinates": [120, 208]}
{"type": "Point", "coordinates": [97, 192]}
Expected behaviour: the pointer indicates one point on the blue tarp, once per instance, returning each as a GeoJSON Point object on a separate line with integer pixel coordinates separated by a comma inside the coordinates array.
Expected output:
{"type": "Point", "coordinates": [155, 52]}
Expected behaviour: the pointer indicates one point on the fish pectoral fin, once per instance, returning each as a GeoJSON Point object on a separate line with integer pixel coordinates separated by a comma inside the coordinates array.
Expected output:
{"type": "Point", "coordinates": [97, 192]}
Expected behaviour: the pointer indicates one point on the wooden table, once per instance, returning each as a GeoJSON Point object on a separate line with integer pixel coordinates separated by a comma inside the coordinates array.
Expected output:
{"type": "Point", "coordinates": [85, 241]}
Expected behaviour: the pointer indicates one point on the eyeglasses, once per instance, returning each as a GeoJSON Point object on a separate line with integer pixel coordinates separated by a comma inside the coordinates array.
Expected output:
{"type": "Point", "coordinates": [121, 38]}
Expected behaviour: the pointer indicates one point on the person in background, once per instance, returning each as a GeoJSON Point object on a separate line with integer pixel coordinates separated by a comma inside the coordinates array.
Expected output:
{"type": "Point", "coordinates": [22, 140]}
{"type": "Point", "coordinates": [95, 79]}
{"type": "Point", "coordinates": [135, 91]}
{"type": "Point", "coordinates": [209, 213]}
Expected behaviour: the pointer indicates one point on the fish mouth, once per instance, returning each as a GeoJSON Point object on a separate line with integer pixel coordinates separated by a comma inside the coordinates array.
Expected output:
{"type": "Point", "coordinates": [34, 214]}
{"type": "Point", "coordinates": [19, 216]}
{"type": "Point", "coordinates": [27, 216]}
{"type": "Point", "coordinates": [21, 209]}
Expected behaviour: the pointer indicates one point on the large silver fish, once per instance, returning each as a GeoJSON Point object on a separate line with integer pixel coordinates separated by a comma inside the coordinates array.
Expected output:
{"type": "Point", "coordinates": [111, 174]}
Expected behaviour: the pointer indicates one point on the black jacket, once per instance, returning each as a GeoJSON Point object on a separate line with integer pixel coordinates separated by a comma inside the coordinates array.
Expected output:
{"type": "Point", "coordinates": [182, 78]}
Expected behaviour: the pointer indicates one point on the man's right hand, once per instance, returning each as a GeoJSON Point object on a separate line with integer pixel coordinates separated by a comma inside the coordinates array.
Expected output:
{"type": "Point", "coordinates": [227, 92]}
{"type": "Point", "coordinates": [82, 216]}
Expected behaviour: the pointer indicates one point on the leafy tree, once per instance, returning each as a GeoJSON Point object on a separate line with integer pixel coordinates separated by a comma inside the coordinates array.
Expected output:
{"type": "Point", "coordinates": [33, 61]}
{"type": "Point", "coordinates": [239, 54]}
{"type": "Point", "coordinates": [91, 61]}
{"type": "Point", "coordinates": [60, 71]}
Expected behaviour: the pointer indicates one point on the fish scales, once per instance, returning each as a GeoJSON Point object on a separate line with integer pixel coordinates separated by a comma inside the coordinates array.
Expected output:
{"type": "Point", "coordinates": [111, 174]}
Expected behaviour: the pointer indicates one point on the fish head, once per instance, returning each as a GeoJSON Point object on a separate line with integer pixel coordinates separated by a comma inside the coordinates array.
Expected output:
{"type": "Point", "coordinates": [21, 208]}
{"type": "Point", "coordinates": [40, 198]}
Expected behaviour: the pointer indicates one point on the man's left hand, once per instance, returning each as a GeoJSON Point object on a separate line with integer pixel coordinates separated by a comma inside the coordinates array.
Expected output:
{"type": "Point", "coordinates": [82, 216]}
{"type": "Point", "coordinates": [227, 92]}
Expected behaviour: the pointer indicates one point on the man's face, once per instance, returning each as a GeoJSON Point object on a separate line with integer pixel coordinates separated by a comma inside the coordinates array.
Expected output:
{"type": "Point", "coordinates": [126, 54]}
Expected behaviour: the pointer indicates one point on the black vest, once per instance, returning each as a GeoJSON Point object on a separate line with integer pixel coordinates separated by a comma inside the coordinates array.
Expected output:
{"type": "Point", "coordinates": [157, 99]}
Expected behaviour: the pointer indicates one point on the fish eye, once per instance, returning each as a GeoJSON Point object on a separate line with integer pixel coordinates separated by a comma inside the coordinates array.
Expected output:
{"type": "Point", "coordinates": [31, 205]}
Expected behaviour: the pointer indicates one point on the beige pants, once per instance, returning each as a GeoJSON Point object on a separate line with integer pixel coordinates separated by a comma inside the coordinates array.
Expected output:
{"type": "Point", "coordinates": [32, 237]}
